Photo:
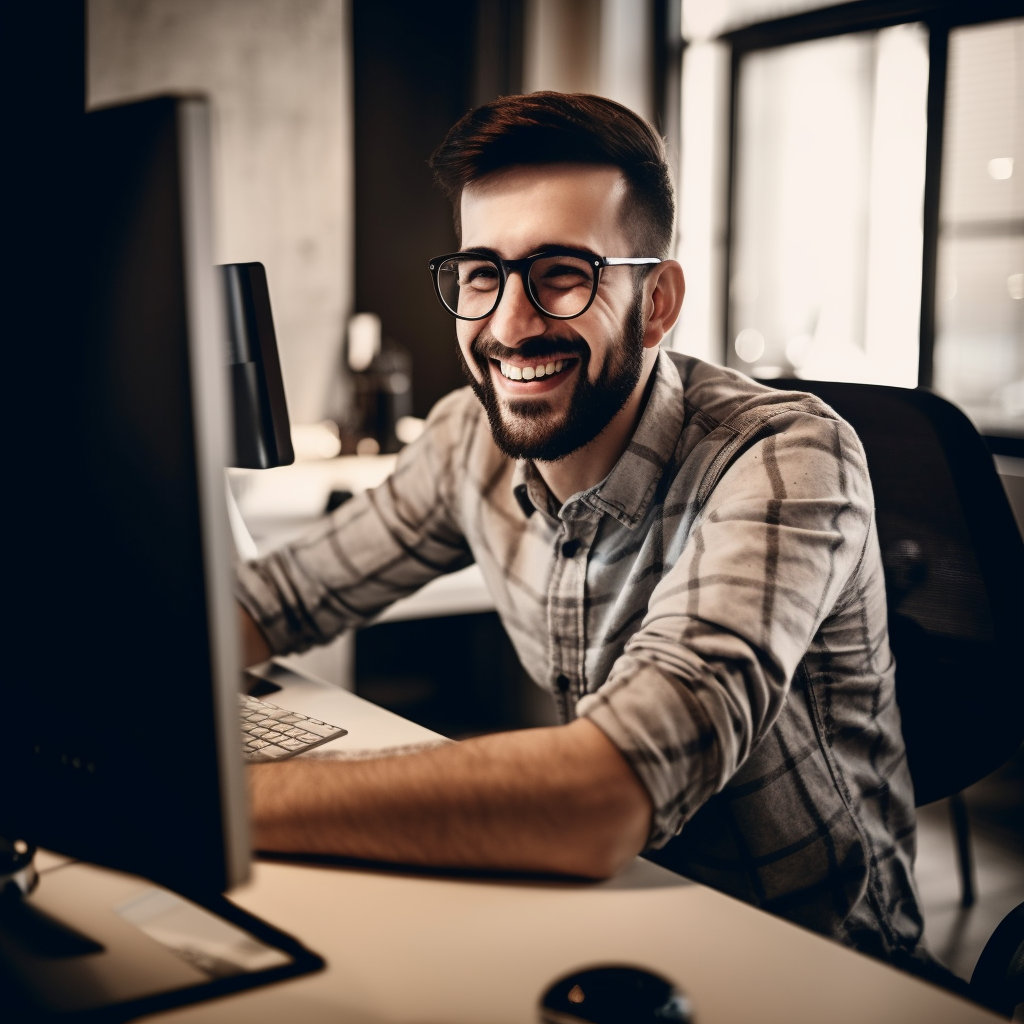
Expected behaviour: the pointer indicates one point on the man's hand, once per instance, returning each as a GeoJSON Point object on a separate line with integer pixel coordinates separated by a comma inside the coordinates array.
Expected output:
{"type": "Point", "coordinates": [560, 800]}
{"type": "Point", "coordinates": [254, 644]}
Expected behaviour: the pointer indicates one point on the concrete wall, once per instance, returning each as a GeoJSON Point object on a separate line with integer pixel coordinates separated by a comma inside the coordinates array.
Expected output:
{"type": "Point", "coordinates": [278, 75]}
{"type": "Point", "coordinates": [597, 46]}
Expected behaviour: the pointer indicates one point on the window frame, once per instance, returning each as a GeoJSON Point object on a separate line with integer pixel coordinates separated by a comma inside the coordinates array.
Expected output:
{"type": "Point", "coordinates": [940, 17]}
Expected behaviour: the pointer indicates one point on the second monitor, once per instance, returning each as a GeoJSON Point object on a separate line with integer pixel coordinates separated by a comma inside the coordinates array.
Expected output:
{"type": "Point", "coordinates": [262, 432]}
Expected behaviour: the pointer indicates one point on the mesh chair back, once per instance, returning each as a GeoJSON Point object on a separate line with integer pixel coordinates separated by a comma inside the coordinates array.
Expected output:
{"type": "Point", "coordinates": [954, 567]}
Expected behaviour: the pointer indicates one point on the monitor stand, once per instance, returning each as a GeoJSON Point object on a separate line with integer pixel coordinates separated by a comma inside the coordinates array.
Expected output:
{"type": "Point", "coordinates": [87, 941]}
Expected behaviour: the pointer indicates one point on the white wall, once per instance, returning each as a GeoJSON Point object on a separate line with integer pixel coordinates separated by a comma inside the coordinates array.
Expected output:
{"type": "Point", "coordinates": [278, 73]}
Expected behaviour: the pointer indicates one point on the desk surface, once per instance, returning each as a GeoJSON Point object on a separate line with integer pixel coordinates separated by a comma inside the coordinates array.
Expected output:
{"type": "Point", "coordinates": [417, 949]}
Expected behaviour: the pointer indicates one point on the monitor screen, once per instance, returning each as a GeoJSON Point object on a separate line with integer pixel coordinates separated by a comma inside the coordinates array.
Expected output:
{"type": "Point", "coordinates": [122, 740]}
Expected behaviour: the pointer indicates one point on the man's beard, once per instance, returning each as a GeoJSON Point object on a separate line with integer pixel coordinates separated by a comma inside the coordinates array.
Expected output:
{"type": "Point", "coordinates": [527, 428]}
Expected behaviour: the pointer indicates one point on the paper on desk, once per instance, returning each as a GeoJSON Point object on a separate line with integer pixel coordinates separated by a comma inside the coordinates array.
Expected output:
{"type": "Point", "coordinates": [200, 938]}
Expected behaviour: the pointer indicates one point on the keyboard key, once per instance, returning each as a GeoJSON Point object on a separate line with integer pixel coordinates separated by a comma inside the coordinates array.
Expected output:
{"type": "Point", "coordinates": [319, 728]}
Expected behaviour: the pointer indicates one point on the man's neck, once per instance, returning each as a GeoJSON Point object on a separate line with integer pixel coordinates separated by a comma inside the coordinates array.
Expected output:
{"type": "Point", "coordinates": [594, 461]}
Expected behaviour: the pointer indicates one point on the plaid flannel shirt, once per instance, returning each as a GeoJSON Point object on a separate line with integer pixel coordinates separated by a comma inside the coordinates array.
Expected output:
{"type": "Point", "coordinates": [715, 605]}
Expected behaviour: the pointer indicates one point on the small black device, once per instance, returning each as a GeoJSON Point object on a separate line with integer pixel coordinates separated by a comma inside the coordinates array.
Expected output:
{"type": "Point", "coordinates": [262, 432]}
{"type": "Point", "coordinates": [614, 994]}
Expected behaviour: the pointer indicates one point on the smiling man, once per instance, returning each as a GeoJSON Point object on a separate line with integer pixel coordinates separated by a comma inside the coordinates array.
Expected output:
{"type": "Point", "coordinates": [685, 560]}
{"type": "Point", "coordinates": [558, 341]}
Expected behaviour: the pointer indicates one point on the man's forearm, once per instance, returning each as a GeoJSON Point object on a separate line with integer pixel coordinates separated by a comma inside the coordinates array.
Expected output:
{"type": "Point", "coordinates": [553, 800]}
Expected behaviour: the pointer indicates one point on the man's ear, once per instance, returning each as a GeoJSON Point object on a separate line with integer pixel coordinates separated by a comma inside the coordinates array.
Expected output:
{"type": "Point", "coordinates": [663, 299]}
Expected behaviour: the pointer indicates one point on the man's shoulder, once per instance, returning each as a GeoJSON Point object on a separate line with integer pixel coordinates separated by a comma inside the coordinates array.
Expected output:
{"type": "Point", "coordinates": [721, 397]}
{"type": "Point", "coordinates": [727, 414]}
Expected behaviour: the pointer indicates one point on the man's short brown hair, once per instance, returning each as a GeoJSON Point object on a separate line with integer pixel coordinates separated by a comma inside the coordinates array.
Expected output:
{"type": "Point", "coordinates": [556, 127]}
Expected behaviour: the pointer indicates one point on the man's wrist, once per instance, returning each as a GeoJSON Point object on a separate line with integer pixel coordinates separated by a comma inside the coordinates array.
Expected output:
{"type": "Point", "coordinates": [255, 647]}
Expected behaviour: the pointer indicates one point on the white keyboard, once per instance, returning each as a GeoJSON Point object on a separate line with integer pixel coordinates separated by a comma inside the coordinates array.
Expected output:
{"type": "Point", "coordinates": [270, 733]}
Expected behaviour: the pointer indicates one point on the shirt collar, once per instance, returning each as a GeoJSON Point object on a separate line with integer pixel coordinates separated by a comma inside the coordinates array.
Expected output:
{"type": "Point", "coordinates": [531, 492]}
{"type": "Point", "coordinates": [627, 491]}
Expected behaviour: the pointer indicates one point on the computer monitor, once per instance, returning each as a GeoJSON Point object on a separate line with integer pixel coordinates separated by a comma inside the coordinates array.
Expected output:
{"type": "Point", "coordinates": [121, 744]}
{"type": "Point", "coordinates": [142, 591]}
{"type": "Point", "coordinates": [262, 432]}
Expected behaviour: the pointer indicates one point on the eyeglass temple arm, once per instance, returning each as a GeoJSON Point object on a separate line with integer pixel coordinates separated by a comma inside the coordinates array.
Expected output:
{"type": "Point", "coordinates": [629, 261]}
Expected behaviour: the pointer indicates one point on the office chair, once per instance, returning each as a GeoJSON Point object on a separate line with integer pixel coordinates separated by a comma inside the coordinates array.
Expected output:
{"type": "Point", "coordinates": [954, 569]}
{"type": "Point", "coordinates": [998, 978]}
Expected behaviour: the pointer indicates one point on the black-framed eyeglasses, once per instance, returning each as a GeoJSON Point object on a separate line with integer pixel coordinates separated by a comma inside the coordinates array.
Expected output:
{"type": "Point", "coordinates": [560, 283]}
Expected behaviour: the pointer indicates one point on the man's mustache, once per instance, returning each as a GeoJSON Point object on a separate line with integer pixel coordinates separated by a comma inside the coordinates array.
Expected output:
{"type": "Point", "coordinates": [485, 347]}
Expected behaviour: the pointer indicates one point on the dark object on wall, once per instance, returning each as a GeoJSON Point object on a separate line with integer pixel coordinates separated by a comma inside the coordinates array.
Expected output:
{"type": "Point", "coordinates": [262, 431]}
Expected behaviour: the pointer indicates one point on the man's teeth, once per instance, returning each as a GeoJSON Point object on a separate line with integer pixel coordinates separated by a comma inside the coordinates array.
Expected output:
{"type": "Point", "coordinates": [531, 372]}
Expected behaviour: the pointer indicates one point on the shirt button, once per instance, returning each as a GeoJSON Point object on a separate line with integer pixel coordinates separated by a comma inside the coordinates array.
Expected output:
{"type": "Point", "coordinates": [570, 547]}
{"type": "Point", "coordinates": [562, 682]}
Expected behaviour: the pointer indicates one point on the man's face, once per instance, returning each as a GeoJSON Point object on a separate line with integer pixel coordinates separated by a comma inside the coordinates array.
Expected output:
{"type": "Point", "coordinates": [589, 366]}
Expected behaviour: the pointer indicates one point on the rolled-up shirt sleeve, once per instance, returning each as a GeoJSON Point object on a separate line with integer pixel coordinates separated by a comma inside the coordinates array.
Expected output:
{"type": "Point", "coordinates": [380, 546]}
{"type": "Point", "coordinates": [773, 551]}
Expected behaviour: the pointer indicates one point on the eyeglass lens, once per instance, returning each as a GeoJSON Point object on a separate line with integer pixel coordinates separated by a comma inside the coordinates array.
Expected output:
{"type": "Point", "coordinates": [561, 285]}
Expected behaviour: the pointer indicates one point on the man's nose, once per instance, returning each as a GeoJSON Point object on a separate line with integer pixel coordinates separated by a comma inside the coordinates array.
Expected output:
{"type": "Point", "coordinates": [516, 319]}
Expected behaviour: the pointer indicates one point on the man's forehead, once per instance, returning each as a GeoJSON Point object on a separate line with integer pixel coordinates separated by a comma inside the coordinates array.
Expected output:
{"type": "Point", "coordinates": [524, 205]}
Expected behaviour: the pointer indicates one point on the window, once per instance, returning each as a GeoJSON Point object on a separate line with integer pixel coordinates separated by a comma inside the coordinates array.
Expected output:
{"type": "Point", "coordinates": [825, 275]}
{"type": "Point", "coordinates": [979, 340]}
{"type": "Point", "coordinates": [876, 203]}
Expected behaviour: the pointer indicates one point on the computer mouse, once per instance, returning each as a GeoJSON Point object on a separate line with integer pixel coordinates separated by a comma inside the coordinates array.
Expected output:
{"type": "Point", "coordinates": [614, 994]}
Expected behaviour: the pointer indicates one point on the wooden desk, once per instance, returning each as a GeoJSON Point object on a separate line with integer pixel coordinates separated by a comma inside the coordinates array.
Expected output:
{"type": "Point", "coordinates": [425, 950]}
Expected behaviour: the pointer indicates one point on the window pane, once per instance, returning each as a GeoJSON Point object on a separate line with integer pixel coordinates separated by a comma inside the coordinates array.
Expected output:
{"type": "Point", "coordinates": [979, 348]}
{"type": "Point", "coordinates": [826, 278]}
